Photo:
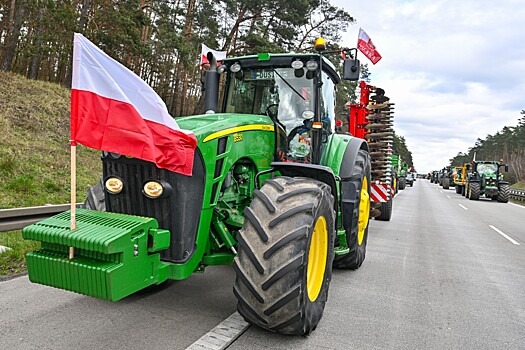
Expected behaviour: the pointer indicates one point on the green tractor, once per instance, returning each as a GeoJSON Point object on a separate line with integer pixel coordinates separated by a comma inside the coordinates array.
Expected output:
{"type": "Point", "coordinates": [486, 179]}
{"type": "Point", "coordinates": [275, 192]}
{"type": "Point", "coordinates": [446, 177]}
{"type": "Point", "coordinates": [400, 169]}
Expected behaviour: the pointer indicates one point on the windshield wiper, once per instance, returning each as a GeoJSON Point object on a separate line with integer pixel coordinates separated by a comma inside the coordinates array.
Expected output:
{"type": "Point", "coordinates": [287, 83]}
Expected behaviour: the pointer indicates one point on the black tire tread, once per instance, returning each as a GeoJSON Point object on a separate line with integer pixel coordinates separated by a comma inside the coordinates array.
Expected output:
{"type": "Point", "coordinates": [503, 193]}
{"type": "Point", "coordinates": [386, 210]}
{"type": "Point", "coordinates": [277, 299]}
{"type": "Point", "coordinates": [474, 191]}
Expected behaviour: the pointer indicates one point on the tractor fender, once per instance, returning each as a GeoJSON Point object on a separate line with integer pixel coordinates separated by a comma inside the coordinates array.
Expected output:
{"type": "Point", "coordinates": [348, 190]}
{"type": "Point", "coordinates": [354, 146]}
{"type": "Point", "coordinates": [317, 172]}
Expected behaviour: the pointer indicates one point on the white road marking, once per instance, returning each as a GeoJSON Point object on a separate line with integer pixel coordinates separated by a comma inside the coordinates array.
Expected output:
{"type": "Point", "coordinates": [223, 335]}
{"type": "Point", "coordinates": [440, 191]}
{"type": "Point", "coordinates": [448, 196]}
{"type": "Point", "coordinates": [462, 206]}
{"type": "Point", "coordinates": [504, 235]}
{"type": "Point", "coordinates": [517, 205]}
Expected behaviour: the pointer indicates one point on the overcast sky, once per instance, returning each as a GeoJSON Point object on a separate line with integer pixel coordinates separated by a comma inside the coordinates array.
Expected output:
{"type": "Point", "coordinates": [454, 68]}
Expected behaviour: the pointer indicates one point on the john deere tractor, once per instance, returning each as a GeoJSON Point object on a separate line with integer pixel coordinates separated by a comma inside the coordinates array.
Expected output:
{"type": "Point", "coordinates": [446, 179]}
{"type": "Point", "coordinates": [274, 192]}
{"type": "Point", "coordinates": [486, 179]}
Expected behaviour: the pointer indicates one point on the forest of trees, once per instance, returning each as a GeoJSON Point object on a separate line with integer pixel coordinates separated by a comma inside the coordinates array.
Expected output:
{"type": "Point", "coordinates": [400, 147]}
{"type": "Point", "coordinates": [160, 40]}
{"type": "Point", "coordinates": [507, 145]}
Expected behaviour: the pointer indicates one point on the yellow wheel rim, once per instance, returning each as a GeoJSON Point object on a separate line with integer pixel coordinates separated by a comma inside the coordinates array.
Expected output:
{"type": "Point", "coordinates": [364, 211]}
{"type": "Point", "coordinates": [317, 255]}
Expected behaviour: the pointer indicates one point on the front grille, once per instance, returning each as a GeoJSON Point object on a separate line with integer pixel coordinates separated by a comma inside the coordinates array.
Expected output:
{"type": "Point", "coordinates": [179, 212]}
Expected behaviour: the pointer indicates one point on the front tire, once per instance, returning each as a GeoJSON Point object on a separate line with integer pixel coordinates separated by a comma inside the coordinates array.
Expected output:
{"type": "Point", "coordinates": [285, 255]}
{"type": "Point", "coordinates": [358, 202]}
{"type": "Point", "coordinates": [503, 193]}
{"type": "Point", "coordinates": [446, 183]}
{"type": "Point", "coordinates": [474, 190]}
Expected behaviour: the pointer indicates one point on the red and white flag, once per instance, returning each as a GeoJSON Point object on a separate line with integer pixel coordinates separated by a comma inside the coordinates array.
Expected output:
{"type": "Point", "coordinates": [114, 110]}
{"type": "Point", "coordinates": [219, 55]}
{"type": "Point", "coordinates": [365, 45]}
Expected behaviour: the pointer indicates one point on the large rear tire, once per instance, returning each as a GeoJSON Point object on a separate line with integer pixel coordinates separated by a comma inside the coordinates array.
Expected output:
{"type": "Point", "coordinates": [402, 183]}
{"type": "Point", "coordinates": [359, 208]}
{"type": "Point", "coordinates": [504, 193]}
{"type": "Point", "coordinates": [285, 255]}
{"type": "Point", "coordinates": [446, 183]}
{"type": "Point", "coordinates": [474, 190]}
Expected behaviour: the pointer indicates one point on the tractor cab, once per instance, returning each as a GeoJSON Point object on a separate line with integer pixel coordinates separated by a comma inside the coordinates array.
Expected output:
{"type": "Point", "coordinates": [297, 91]}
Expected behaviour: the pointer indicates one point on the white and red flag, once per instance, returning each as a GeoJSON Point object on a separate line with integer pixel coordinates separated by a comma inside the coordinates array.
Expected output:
{"type": "Point", "coordinates": [365, 45]}
{"type": "Point", "coordinates": [114, 110]}
{"type": "Point", "coordinates": [219, 55]}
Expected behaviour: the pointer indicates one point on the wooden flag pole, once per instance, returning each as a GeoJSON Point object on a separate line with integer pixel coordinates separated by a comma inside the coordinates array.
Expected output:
{"type": "Point", "coordinates": [73, 223]}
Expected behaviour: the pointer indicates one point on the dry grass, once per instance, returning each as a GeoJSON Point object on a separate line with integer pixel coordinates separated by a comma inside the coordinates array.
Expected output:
{"type": "Point", "coordinates": [35, 157]}
{"type": "Point", "coordinates": [34, 149]}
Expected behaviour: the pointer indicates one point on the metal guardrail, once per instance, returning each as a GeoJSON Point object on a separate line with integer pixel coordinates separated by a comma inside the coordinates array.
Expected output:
{"type": "Point", "coordinates": [18, 218]}
{"type": "Point", "coordinates": [517, 194]}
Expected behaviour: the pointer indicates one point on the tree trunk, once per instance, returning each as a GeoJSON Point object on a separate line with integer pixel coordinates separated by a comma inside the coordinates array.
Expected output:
{"type": "Point", "coordinates": [15, 18]}
{"type": "Point", "coordinates": [182, 74]}
{"type": "Point", "coordinates": [235, 28]}
{"type": "Point", "coordinates": [83, 20]}
{"type": "Point", "coordinates": [37, 43]}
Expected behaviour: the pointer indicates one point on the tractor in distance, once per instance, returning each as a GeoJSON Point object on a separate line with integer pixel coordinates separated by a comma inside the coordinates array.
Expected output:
{"type": "Point", "coordinates": [446, 179]}
{"type": "Point", "coordinates": [460, 179]}
{"type": "Point", "coordinates": [486, 180]}
{"type": "Point", "coordinates": [434, 176]}
{"type": "Point", "coordinates": [275, 192]}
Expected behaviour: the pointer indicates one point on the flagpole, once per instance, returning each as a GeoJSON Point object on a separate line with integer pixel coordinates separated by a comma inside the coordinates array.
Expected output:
{"type": "Point", "coordinates": [73, 221]}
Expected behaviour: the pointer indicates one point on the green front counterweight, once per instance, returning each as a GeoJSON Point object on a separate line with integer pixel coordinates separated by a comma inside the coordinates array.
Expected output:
{"type": "Point", "coordinates": [115, 254]}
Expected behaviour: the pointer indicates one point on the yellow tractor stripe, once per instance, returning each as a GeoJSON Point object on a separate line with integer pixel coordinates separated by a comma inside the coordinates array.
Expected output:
{"type": "Point", "coordinates": [215, 135]}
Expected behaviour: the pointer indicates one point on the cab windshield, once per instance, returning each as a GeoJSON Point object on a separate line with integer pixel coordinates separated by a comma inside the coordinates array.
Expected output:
{"type": "Point", "coordinates": [288, 91]}
{"type": "Point", "coordinates": [487, 169]}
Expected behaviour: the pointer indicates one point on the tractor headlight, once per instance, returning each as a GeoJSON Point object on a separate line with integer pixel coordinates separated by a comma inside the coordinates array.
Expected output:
{"type": "Point", "coordinates": [311, 65]}
{"type": "Point", "coordinates": [236, 67]}
{"type": "Point", "coordinates": [153, 189]}
{"type": "Point", "coordinates": [297, 64]}
{"type": "Point", "coordinates": [114, 185]}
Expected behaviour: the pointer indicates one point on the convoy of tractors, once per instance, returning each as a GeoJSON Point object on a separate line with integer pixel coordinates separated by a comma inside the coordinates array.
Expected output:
{"type": "Point", "coordinates": [474, 180]}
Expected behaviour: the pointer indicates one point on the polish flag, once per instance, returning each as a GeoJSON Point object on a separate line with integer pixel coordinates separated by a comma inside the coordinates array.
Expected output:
{"type": "Point", "coordinates": [112, 109]}
{"type": "Point", "coordinates": [365, 45]}
{"type": "Point", "coordinates": [219, 55]}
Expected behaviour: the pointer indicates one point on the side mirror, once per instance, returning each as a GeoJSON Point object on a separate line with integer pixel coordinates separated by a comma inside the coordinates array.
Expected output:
{"type": "Point", "coordinates": [351, 70]}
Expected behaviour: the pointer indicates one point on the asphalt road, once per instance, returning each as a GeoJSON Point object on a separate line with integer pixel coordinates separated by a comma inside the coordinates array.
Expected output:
{"type": "Point", "coordinates": [439, 275]}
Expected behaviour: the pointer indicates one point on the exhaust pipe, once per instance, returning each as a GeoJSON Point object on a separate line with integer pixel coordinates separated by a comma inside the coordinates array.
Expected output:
{"type": "Point", "coordinates": [211, 86]}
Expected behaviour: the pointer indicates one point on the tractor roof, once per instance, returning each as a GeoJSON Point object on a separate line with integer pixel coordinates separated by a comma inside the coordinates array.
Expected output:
{"type": "Point", "coordinates": [283, 60]}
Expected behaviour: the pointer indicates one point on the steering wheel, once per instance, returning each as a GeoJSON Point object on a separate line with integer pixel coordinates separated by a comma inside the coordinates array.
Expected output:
{"type": "Point", "coordinates": [294, 132]}
{"type": "Point", "coordinates": [271, 111]}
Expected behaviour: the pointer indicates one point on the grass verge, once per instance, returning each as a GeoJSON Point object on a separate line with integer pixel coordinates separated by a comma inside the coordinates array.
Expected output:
{"type": "Point", "coordinates": [13, 261]}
